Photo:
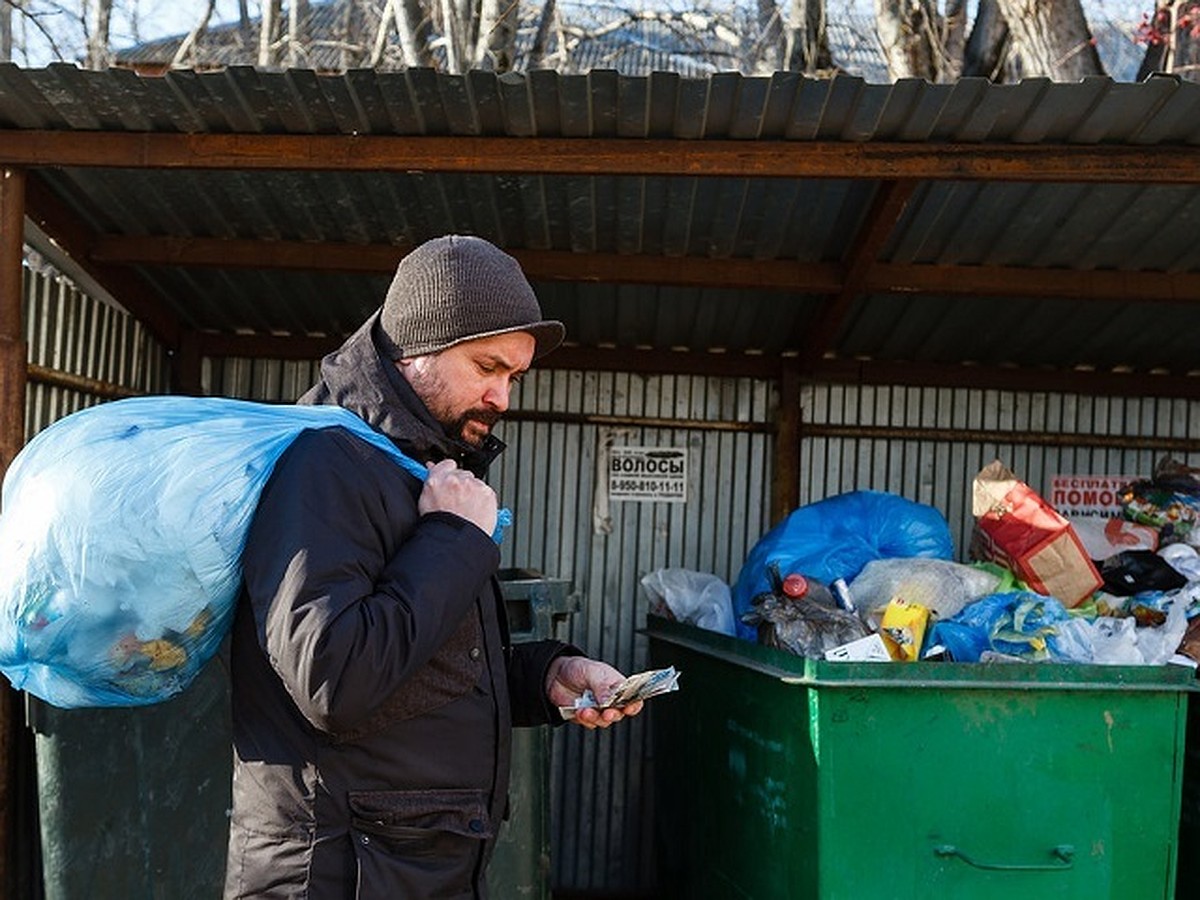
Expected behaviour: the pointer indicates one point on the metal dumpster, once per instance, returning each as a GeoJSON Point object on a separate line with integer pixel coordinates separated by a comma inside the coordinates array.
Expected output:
{"type": "Point", "coordinates": [134, 803]}
{"type": "Point", "coordinates": [780, 777]}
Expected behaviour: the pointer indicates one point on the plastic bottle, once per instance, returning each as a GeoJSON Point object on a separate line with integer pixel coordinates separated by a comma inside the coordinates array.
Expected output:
{"type": "Point", "coordinates": [797, 587]}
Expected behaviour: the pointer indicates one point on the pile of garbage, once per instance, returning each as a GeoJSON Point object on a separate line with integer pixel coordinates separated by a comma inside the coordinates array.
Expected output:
{"type": "Point", "coordinates": [870, 576]}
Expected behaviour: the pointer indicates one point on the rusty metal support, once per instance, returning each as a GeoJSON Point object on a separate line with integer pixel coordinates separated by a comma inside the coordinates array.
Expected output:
{"type": "Point", "coordinates": [12, 438]}
{"type": "Point", "coordinates": [785, 483]}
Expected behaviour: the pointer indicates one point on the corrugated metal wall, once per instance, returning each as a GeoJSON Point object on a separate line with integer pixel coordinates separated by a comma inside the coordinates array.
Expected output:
{"type": "Point", "coordinates": [601, 790]}
{"type": "Point", "coordinates": [925, 444]}
{"type": "Point", "coordinates": [73, 334]}
{"type": "Point", "coordinates": [257, 379]}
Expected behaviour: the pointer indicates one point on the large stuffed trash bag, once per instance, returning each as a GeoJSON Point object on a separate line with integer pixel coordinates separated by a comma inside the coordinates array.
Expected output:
{"type": "Point", "coordinates": [121, 532]}
{"type": "Point", "coordinates": [835, 537]}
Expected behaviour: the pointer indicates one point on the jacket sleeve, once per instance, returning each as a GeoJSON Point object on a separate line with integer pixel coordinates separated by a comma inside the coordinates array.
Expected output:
{"type": "Point", "coordinates": [352, 590]}
{"type": "Point", "coordinates": [528, 663]}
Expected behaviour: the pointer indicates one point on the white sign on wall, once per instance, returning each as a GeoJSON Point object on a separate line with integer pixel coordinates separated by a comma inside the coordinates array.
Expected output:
{"type": "Point", "coordinates": [1089, 495]}
{"type": "Point", "coordinates": [648, 473]}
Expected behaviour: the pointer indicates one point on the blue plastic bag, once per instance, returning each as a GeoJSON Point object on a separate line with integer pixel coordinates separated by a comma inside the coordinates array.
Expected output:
{"type": "Point", "coordinates": [834, 538]}
{"type": "Point", "coordinates": [1023, 624]}
{"type": "Point", "coordinates": [121, 535]}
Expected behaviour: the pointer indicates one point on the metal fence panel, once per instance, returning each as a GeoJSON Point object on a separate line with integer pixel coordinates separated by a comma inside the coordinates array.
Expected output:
{"type": "Point", "coordinates": [553, 477]}
{"type": "Point", "coordinates": [927, 444]}
{"type": "Point", "coordinates": [86, 340]}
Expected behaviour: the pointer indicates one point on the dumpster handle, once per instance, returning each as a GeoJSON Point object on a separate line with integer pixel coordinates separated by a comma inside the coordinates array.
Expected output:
{"type": "Point", "coordinates": [1064, 853]}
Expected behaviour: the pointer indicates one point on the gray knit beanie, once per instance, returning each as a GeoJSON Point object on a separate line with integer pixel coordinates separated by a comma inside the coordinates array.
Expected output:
{"type": "Point", "coordinates": [457, 288]}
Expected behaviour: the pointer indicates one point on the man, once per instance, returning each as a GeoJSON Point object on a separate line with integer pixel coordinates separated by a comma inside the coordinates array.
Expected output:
{"type": "Point", "coordinates": [374, 683]}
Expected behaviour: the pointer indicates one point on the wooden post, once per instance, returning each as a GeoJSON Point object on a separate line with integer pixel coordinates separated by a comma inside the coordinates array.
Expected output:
{"type": "Point", "coordinates": [186, 365]}
{"type": "Point", "coordinates": [12, 331]}
{"type": "Point", "coordinates": [12, 438]}
{"type": "Point", "coordinates": [785, 486]}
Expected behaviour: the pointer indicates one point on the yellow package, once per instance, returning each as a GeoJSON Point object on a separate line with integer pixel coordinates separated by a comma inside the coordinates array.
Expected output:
{"type": "Point", "coordinates": [903, 628]}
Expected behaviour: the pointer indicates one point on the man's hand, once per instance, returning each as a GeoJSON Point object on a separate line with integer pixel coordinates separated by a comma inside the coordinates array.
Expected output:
{"type": "Point", "coordinates": [451, 489]}
{"type": "Point", "coordinates": [569, 676]}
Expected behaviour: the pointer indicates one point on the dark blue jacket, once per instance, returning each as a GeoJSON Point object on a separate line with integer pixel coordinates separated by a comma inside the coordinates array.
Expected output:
{"type": "Point", "coordinates": [374, 682]}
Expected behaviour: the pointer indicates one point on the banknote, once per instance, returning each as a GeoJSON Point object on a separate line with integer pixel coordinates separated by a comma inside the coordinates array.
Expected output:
{"type": "Point", "coordinates": [641, 686]}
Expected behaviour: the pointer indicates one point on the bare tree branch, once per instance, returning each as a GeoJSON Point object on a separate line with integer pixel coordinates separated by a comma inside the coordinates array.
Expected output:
{"type": "Point", "coordinates": [537, 54]}
{"type": "Point", "coordinates": [189, 42]}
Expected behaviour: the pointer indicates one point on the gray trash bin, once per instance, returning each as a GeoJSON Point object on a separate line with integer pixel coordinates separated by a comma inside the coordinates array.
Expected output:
{"type": "Point", "coordinates": [521, 865]}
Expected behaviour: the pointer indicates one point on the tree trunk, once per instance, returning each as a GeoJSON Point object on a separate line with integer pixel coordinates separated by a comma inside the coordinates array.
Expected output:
{"type": "Point", "coordinates": [6, 32]}
{"type": "Point", "coordinates": [953, 41]}
{"type": "Point", "coordinates": [244, 28]}
{"type": "Point", "coordinates": [97, 39]}
{"type": "Point", "coordinates": [1173, 47]}
{"type": "Point", "coordinates": [452, 34]}
{"type": "Point", "coordinates": [907, 30]}
{"type": "Point", "coordinates": [415, 24]}
{"type": "Point", "coordinates": [806, 44]}
{"type": "Point", "coordinates": [297, 31]}
{"type": "Point", "coordinates": [988, 46]}
{"type": "Point", "coordinates": [541, 40]}
{"type": "Point", "coordinates": [767, 53]}
{"type": "Point", "coordinates": [1051, 38]}
{"type": "Point", "coordinates": [268, 32]}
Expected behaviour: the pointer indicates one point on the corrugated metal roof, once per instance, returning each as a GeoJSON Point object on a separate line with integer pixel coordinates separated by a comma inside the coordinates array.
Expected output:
{"type": "Point", "coordinates": [1029, 228]}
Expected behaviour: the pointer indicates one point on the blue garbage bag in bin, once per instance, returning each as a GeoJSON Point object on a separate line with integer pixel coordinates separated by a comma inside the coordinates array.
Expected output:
{"type": "Point", "coordinates": [121, 533]}
{"type": "Point", "coordinates": [835, 537]}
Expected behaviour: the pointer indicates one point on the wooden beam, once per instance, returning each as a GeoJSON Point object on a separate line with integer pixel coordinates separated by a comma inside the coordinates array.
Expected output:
{"type": "Point", "coordinates": [539, 265]}
{"type": "Point", "coordinates": [304, 347]}
{"type": "Point", "coordinates": [1043, 380]}
{"type": "Point", "coordinates": [744, 365]}
{"type": "Point", "coordinates": [886, 209]}
{"type": "Point", "coordinates": [1109, 163]}
{"type": "Point", "coordinates": [1004, 281]}
{"type": "Point", "coordinates": [266, 346]}
{"type": "Point", "coordinates": [688, 271]}
{"type": "Point", "coordinates": [223, 253]}
{"type": "Point", "coordinates": [76, 238]}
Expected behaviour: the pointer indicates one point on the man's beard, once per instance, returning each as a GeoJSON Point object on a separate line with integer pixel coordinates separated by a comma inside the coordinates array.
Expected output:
{"type": "Point", "coordinates": [458, 428]}
{"type": "Point", "coordinates": [430, 387]}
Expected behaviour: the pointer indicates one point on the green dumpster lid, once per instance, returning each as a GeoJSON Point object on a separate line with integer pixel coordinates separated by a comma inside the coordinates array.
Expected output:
{"type": "Point", "coordinates": [793, 669]}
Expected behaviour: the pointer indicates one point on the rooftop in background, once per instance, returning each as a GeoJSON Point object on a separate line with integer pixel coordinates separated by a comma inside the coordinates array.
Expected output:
{"type": "Point", "coordinates": [600, 36]}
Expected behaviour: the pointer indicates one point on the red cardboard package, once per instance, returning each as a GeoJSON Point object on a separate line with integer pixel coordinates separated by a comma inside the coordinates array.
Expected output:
{"type": "Point", "coordinates": [1016, 528]}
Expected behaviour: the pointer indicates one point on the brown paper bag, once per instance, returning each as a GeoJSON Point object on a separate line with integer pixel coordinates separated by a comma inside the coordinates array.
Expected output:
{"type": "Point", "coordinates": [1016, 528]}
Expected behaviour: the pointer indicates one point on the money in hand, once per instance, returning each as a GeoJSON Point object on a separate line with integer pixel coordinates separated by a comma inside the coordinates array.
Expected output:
{"type": "Point", "coordinates": [636, 687]}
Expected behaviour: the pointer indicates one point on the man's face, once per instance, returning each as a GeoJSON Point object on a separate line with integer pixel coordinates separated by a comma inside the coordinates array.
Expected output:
{"type": "Point", "coordinates": [466, 386]}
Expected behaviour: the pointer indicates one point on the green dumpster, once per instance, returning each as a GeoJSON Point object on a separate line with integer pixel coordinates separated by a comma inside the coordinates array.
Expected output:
{"type": "Point", "coordinates": [134, 803]}
{"type": "Point", "coordinates": [521, 864]}
{"type": "Point", "coordinates": [780, 777]}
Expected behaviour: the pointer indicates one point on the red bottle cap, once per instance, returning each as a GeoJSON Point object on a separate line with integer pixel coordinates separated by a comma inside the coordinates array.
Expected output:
{"type": "Point", "coordinates": [795, 586]}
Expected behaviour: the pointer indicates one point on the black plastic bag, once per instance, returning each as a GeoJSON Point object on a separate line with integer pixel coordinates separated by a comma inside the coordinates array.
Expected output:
{"type": "Point", "coordinates": [1134, 571]}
